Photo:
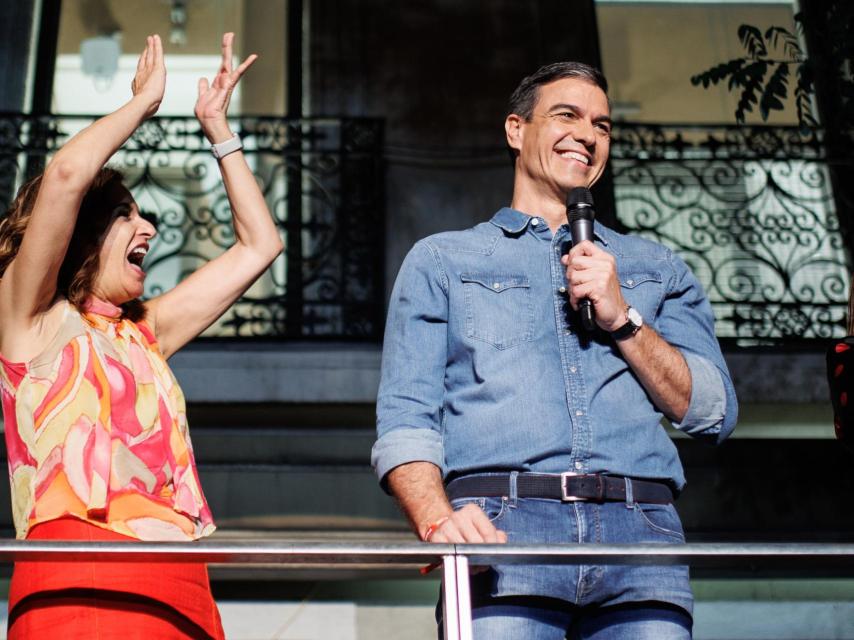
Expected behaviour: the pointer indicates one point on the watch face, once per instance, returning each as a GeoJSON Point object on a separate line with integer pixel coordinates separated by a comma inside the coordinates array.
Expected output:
{"type": "Point", "coordinates": [634, 316]}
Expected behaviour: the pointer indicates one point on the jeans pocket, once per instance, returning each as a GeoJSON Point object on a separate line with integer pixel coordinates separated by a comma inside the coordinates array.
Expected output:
{"type": "Point", "coordinates": [661, 519]}
{"type": "Point", "coordinates": [494, 508]}
{"type": "Point", "coordinates": [498, 308]}
{"type": "Point", "coordinates": [459, 503]}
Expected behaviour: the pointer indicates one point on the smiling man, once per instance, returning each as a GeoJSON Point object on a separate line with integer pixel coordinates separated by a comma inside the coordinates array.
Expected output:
{"type": "Point", "coordinates": [501, 419]}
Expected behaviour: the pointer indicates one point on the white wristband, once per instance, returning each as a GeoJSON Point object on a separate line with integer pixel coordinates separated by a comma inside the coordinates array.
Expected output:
{"type": "Point", "coordinates": [222, 149]}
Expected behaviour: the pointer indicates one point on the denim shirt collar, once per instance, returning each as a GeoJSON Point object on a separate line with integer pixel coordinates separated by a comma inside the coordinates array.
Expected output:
{"type": "Point", "coordinates": [514, 222]}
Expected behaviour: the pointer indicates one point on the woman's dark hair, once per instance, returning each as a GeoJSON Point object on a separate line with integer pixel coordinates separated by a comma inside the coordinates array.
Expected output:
{"type": "Point", "coordinates": [525, 96]}
{"type": "Point", "coordinates": [80, 266]}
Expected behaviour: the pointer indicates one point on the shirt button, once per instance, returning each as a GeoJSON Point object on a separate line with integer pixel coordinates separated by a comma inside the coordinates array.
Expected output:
{"type": "Point", "coordinates": [495, 285]}
{"type": "Point", "coordinates": [579, 413]}
{"type": "Point", "coordinates": [562, 290]}
{"type": "Point", "coordinates": [535, 222]}
{"type": "Point", "coordinates": [578, 465]}
{"type": "Point", "coordinates": [630, 282]}
{"type": "Point", "coordinates": [573, 369]}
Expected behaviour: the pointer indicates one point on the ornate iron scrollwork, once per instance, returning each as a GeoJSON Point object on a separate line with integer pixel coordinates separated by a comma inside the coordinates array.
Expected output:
{"type": "Point", "coordinates": [751, 210]}
{"type": "Point", "coordinates": [323, 183]}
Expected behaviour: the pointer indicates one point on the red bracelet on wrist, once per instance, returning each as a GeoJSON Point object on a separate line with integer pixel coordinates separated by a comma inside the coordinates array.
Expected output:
{"type": "Point", "coordinates": [433, 528]}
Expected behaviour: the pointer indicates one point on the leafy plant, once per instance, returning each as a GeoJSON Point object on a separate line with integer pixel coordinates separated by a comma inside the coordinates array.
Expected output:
{"type": "Point", "coordinates": [748, 74]}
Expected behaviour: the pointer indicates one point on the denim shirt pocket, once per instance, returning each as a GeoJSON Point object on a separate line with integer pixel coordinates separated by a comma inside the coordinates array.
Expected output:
{"type": "Point", "coordinates": [643, 290]}
{"type": "Point", "coordinates": [498, 308]}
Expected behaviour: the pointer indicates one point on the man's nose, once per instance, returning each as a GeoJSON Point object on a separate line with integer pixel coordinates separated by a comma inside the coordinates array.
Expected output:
{"type": "Point", "coordinates": [583, 132]}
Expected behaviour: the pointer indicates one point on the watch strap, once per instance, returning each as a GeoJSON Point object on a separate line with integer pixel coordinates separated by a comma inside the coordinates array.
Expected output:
{"type": "Point", "coordinates": [628, 329]}
{"type": "Point", "coordinates": [222, 149]}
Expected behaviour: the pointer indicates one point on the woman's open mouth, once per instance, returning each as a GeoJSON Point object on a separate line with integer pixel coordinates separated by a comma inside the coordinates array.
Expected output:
{"type": "Point", "coordinates": [137, 255]}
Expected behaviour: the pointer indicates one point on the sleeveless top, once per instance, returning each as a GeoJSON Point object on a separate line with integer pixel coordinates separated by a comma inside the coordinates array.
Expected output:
{"type": "Point", "coordinates": [96, 429]}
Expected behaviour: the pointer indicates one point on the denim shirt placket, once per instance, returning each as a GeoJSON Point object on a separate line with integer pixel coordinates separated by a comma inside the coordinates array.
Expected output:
{"type": "Point", "coordinates": [570, 354]}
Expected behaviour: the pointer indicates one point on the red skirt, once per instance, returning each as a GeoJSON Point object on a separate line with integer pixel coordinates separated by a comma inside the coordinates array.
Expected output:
{"type": "Point", "coordinates": [126, 600]}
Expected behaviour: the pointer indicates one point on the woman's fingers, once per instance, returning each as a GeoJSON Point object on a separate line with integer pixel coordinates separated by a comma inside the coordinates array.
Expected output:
{"type": "Point", "coordinates": [214, 96]}
{"type": "Point", "coordinates": [149, 51]}
{"type": "Point", "coordinates": [140, 64]}
{"type": "Point", "coordinates": [227, 39]}
{"type": "Point", "coordinates": [143, 70]}
{"type": "Point", "coordinates": [243, 67]}
{"type": "Point", "coordinates": [158, 49]}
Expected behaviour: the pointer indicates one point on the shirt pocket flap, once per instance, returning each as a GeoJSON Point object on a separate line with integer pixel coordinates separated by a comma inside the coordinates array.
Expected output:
{"type": "Point", "coordinates": [496, 283]}
{"type": "Point", "coordinates": [632, 280]}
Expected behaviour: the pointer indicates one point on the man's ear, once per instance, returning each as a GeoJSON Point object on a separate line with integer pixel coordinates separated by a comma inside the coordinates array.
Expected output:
{"type": "Point", "coordinates": [513, 129]}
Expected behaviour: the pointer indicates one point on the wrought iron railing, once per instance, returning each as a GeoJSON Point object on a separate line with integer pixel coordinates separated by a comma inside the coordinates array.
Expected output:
{"type": "Point", "coordinates": [751, 209]}
{"type": "Point", "coordinates": [323, 181]}
{"type": "Point", "coordinates": [455, 560]}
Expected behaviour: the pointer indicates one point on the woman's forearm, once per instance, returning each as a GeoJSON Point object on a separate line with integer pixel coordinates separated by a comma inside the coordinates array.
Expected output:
{"type": "Point", "coordinates": [80, 159]}
{"type": "Point", "coordinates": [253, 224]}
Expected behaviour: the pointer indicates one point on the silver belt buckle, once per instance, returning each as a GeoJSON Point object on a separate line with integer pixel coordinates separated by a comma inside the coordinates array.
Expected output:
{"type": "Point", "coordinates": [564, 496]}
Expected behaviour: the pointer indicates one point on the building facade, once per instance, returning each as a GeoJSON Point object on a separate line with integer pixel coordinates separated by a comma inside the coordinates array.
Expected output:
{"type": "Point", "coordinates": [373, 123]}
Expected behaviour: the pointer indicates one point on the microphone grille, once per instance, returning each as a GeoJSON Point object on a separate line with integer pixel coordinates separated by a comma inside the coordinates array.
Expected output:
{"type": "Point", "coordinates": [579, 205]}
{"type": "Point", "coordinates": [579, 196]}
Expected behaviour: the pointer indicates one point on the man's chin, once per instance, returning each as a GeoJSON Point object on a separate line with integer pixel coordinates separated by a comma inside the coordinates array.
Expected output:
{"type": "Point", "coordinates": [586, 181]}
{"type": "Point", "coordinates": [574, 184]}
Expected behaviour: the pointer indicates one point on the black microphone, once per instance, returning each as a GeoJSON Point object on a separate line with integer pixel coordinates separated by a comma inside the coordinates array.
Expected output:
{"type": "Point", "coordinates": [580, 215]}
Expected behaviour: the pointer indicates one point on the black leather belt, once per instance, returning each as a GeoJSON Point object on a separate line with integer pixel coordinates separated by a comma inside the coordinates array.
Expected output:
{"type": "Point", "coordinates": [567, 487]}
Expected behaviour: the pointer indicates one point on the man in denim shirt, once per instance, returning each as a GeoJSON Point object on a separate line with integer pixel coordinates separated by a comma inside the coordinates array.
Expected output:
{"type": "Point", "coordinates": [500, 418]}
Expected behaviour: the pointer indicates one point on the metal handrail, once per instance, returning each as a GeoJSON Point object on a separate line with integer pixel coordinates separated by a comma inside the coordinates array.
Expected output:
{"type": "Point", "coordinates": [233, 552]}
{"type": "Point", "coordinates": [455, 559]}
{"type": "Point", "coordinates": [765, 555]}
{"type": "Point", "coordinates": [768, 555]}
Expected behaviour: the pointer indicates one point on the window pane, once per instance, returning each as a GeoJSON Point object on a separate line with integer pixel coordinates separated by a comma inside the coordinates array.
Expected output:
{"type": "Point", "coordinates": [750, 208]}
{"type": "Point", "coordinates": [651, 50]}
{"type": "Point", "coordinates": [100, 41]}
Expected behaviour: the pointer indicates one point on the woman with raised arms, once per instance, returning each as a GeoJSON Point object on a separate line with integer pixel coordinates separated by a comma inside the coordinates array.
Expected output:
{"type": "Point", "coordinates": [95, 422]}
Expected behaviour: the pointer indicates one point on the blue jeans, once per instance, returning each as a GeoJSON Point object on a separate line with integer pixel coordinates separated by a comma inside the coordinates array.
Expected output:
{"type": "Point", "coordinates": [543, 619]}
{"type": "Point", "coordinates": [590, 601]}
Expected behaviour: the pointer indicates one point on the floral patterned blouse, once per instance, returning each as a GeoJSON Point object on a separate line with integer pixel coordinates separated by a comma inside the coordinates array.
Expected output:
{"type": "Point", "coordinates": [96, 429]}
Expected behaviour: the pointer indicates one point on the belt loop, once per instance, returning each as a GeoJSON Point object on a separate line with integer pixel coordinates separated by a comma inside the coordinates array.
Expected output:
{"type": "Point", "coordinates": [630, 498]}
{"type": "Point", "coordinates": [514, 494]}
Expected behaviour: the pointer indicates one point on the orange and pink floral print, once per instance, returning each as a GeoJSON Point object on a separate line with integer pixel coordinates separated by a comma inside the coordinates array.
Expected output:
{"type": "Point", "coordinates": [96, 428]}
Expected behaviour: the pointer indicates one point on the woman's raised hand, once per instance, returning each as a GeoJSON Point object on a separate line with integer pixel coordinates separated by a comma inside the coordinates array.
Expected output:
{"type": "Point", "coordinates": [212, 103]}
{"type": "Point", "coordinates": [149, 83]}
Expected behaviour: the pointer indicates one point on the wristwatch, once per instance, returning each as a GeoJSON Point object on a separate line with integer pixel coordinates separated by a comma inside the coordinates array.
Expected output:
{"type": "Point", "coordinates": [222, 149]}
{"type": "Point", "coordinates": [634, 321]}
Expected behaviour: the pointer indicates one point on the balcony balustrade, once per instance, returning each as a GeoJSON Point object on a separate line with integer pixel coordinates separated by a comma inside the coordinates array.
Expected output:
{"type": "Point", "coordinates": [322, 178]}
{"type": "Point", "coordinates": [751, 209]}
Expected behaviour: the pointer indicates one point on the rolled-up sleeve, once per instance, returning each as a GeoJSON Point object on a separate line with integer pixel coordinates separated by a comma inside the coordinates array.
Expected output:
{"type": "Point", "coordinates": [411, 392]}
{"type": "Point", "coordinates": [686, 322]}
{"type": "Point", "coordinates": [707, 408]}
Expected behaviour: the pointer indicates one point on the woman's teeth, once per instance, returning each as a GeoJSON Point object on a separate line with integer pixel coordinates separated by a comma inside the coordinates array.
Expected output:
{"type": "Point", "coordinates": [137, 256]}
